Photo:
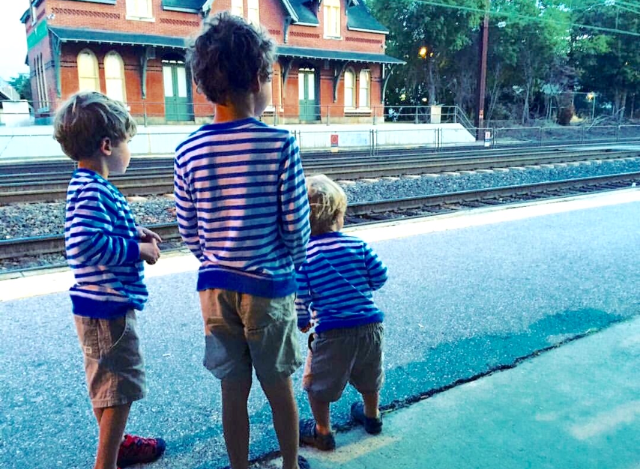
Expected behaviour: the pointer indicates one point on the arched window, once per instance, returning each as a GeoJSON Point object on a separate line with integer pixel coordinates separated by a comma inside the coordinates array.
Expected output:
{"type": "Point", "coordinates": [237, 8]}
{"type": "Point", "coordinates": [253, 13]}
{"type": "Point", "coordinates": [114, 75]}
{"type": "Point", "coordinates": [365, 89]}
{"type": "Point", "coordinates": [88, 79]}
{"type": "Point", "coordinates": [332, 18]}
{"type": "Point", "coordinates": [349, 89]}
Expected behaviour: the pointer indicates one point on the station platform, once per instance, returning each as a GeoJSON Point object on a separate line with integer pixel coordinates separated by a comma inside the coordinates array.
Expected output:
{"type": "Point", "coordinates": [512, 340]}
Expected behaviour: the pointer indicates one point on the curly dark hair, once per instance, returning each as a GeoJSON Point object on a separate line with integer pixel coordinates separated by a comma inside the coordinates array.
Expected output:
{"type": "Point", "coordinates": [228, 55]}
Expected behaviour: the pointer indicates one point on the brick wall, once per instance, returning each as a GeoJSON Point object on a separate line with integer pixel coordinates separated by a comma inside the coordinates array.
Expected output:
{"type": "Point", "coordinates": [114, 18]}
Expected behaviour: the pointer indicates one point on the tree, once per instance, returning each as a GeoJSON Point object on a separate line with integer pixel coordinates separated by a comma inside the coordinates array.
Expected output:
{"type": "Point", "coordinates": [22, 84]}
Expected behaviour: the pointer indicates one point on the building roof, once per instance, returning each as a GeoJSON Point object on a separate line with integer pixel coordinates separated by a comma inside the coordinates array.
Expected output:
{"type": "Point", "coordinates": [304, 11]}
{"type": "Point", "coordinates": [183, 5]}
{"type": "Point", "coordinates": [303, 52]}
{"type": "Point", "coordinates": [360, 18]}
{"type": "Point", "coordinates": [113, 37]}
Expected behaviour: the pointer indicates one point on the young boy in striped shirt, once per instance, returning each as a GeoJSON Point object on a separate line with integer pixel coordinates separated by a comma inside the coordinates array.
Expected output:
{"type": "Point", "coordinates": [242, 210]}
{"type": "Point", "coordinates": [106, 249]}
{"type": "Point", "coordinates": [334, 292]}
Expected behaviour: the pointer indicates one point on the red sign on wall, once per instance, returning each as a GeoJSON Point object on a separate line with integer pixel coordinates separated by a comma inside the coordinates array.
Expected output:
{"type": "Point", "coordinates": [334, 140]}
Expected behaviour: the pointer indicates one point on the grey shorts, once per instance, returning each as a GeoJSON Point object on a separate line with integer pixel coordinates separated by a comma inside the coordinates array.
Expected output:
{"type": "Point", "coordinates": [112, 360]}
{"type": "Point", "coordinates": [244, 331]}
{"type": "Point", "coordinates": [339, 356]}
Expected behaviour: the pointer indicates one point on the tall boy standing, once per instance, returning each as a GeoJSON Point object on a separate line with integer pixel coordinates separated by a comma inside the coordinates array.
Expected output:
{"type": "Point", "coordinates": [105, 249]}
{"type": "Point", "coordinates": [242, 210]}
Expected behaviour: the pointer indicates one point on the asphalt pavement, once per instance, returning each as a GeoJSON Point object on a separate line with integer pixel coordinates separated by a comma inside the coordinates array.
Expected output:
{"type": "Point", "coordinates": [468, 294]}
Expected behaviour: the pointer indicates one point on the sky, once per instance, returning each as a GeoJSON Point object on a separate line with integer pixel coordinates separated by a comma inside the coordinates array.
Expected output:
{"type": "Point", "coordinates": [13, 41]}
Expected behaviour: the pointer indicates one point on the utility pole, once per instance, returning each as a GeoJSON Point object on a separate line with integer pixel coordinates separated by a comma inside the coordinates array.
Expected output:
{"type": "Point", "coordinates": [482, 73]}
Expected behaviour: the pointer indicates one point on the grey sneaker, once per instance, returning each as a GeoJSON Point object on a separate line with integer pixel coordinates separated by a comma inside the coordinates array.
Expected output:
{"type": "Point", "coordinates": [371, 426]}
{"type": "Point", "coordinates": [309, 436]}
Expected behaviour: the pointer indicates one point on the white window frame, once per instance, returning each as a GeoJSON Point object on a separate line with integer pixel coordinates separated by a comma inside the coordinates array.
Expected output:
{"type": "Point", "coordinates": [135, 10]}
{"type": "Point", "coordinates": [332, 19]}
{"type": "Point", "coordinates": [96, 75]}
{"type": "Point", "coordinates": [114, 77]}
{"type": "Point", "coordinates": [350, 91]}
{"type": "Point", "coordinates": [253, 12]}
{"type": "Point", "coordinates": [364, 79]}
{"type": "Point", "coordinates": [237, 8]}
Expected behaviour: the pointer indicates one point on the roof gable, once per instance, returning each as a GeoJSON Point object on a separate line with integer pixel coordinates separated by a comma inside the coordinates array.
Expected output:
{"type": "Point", "coordinates": [360, 18]}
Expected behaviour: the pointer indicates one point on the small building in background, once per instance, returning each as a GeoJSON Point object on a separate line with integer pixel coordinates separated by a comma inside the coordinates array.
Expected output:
{"type": "Point", "coordinates": [14, 111]}
{"type": "Point", "coordinates": [331, 61]}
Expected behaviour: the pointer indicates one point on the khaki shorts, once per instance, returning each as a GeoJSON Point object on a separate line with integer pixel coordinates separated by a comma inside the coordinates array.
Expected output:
{"type": "Point", "coordinates": [339, 356]}
{"type": "Point", "coordinates": [112, 360]}
{"type": "Point", "coordinates": [244, 331]}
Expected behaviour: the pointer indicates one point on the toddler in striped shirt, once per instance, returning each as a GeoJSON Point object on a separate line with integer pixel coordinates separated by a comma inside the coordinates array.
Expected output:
{"type": "Point", "coordinates": [106, 249]}
{"type": "Point", "coordinates": [335, 287]}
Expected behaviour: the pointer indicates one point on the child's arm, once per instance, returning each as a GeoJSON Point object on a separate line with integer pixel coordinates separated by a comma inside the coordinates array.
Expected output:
{"type": "Point", "coordinates": [303, 302]}
{"type": "Point", "coordinates": [294, 206]}
{"type": "Point", "coordinates": [89, 238]}
{"type": "Point", "coordinates": [186, 212]}
{"type": "Point", "coordinates": [375, 267]}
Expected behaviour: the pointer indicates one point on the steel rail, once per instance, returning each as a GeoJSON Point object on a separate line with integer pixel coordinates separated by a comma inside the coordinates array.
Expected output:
{"type": "Point", "coordinates": [20, 247]}
{"type": "Point", "coordinates": [155, 184]}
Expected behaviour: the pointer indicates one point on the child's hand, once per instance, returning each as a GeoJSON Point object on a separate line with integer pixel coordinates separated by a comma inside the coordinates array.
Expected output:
{"type": "Point", "coordinates": [306, 328]}
{"type": "Point", "coordinates": [146, 235]}
{"type": "Point", "coordinates": [149, 251]}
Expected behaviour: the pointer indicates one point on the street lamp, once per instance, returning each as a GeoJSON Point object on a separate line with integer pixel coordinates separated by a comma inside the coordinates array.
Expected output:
{"type": "Point", "coordinates": [422, 53]}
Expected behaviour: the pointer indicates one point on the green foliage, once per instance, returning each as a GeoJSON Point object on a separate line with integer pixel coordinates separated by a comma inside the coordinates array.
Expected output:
{"type": "Point", "coordinates": [539, 50]}
{"type": "Point", "coordinates": [22, 85]}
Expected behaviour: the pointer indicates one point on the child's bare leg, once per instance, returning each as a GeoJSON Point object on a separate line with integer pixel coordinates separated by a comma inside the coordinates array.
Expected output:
{"type": "Point", "coordinates": [321, 414]}
{"type": "Point", "coordinates": [112, 421]}
{"type": "Point", "coordinates": [371, 401]}
{"type": "Point", "coordinates": [285, 420]}
{"type": "Point", "coordinates": [235, 420]}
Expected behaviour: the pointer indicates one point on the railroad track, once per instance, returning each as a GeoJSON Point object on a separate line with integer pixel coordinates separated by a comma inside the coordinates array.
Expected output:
{"type": "Point", "coordinates": [375, 212]}
{"type": "Point", "coordinates": [159, 179]}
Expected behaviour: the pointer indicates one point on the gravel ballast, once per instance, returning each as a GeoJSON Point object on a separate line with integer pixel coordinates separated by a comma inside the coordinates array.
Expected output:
{"type": "Point", "coordinates": [39, 219]}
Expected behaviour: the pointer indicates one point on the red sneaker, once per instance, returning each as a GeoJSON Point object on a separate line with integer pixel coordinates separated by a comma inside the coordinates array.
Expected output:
{"type": "Point", "coordinates": [137, 450]}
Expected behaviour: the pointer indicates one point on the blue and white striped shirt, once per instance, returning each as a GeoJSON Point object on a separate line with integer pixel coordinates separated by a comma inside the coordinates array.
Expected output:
{"type": "Point", "coordinates": [242, 206]}
{"type": "Point", "coordinates": [101, 242]}
{"type": "Point", "coordinates": [335, 284]}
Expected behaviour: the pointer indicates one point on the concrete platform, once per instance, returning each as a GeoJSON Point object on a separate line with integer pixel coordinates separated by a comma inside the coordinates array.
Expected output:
{"type": "Point", "coordinates": [469, 293]}
{"type": "Point", "coordinates": [577, 406]}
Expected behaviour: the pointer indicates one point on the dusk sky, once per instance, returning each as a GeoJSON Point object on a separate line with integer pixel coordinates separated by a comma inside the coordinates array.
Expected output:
{"type": "Point", "coordinates": [13, 42]}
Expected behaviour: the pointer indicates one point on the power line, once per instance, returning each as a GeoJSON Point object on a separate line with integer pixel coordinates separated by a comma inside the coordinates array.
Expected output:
{"type": "Point", "coordinates": [512, 15]}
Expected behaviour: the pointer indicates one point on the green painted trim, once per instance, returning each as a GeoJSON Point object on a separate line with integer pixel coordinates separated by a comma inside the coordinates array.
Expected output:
{"type": "Point", "coordinates": [39, 32]}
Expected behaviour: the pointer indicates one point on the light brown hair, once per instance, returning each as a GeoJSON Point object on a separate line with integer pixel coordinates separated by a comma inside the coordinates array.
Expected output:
{"type": "Point", "coordinates": [86, 119]}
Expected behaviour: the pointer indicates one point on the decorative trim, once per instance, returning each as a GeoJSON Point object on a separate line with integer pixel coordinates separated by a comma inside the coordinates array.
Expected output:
{"type": "Point", "coordinates": [275, 32]}
{"type": "Point", "coordinates": [363, 40]}
{"type": "Point", "coordinates": [305, 35]}
{"type": "Point", "coordinates": [176, 22]}
{"type": "Point", "coordinates": [338, 71]}
{"type": "Point", "coordinates": [88, 13]}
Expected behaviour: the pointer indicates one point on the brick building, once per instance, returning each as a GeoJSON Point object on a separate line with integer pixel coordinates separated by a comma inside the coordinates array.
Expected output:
{"type": "Point", "coordinates": [331, 57]}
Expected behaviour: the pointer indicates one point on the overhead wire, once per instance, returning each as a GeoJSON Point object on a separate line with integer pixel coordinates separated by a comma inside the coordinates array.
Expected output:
{"type": "Point", "coordinates": [512, 15]}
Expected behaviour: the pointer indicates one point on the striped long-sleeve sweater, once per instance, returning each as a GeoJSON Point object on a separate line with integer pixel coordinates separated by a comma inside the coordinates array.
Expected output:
{"type": "Point", "coordinates": [101, 242]}
{"type": "Point", "coordinates": [336, 282]}
{"type": "Point", "coordinates": [242, 206]}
